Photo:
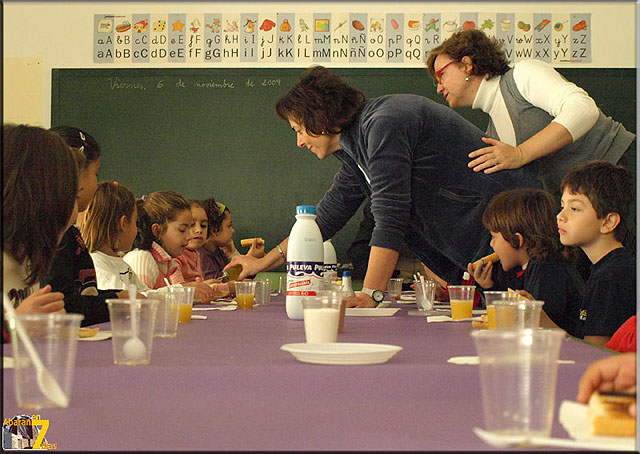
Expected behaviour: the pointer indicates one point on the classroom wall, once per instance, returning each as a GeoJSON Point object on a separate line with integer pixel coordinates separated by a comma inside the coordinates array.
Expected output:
{"type": "Point", "coordinates": [42, 36]}
{"type": "Point", "coordinates": [39, 36]}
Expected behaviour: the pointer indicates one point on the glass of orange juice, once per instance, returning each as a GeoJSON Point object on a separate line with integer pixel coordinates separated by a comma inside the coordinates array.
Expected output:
{"type": "Point", "coordinates": [461, 298]}
{"type": "Point", "coordinates": [245, 294]}
{"type": "Point", "coordinates": [490, 298]}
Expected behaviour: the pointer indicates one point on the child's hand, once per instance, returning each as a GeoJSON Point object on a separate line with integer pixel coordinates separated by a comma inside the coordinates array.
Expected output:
{"type": "Point", "coordinates": [203, 292]}
{"type": "Point", "coordinates": [42, 301]}
{"type": "Point", "coordinates": [482, 273]}
{"type": "Point", "coordinates": [257, 249]}
{"type": "Point", "coordinates": [524, 293]}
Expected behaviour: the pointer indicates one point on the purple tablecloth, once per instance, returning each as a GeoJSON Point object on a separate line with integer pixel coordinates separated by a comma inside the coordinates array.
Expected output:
{"type": "Point", "coordinates": [224, 384]}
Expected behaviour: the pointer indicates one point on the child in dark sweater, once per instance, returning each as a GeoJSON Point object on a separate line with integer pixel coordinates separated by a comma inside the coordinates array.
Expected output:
{"type": "Point", "coordinates": [525, 237]}
{"type": "Point", "coordinates": [596, 201]}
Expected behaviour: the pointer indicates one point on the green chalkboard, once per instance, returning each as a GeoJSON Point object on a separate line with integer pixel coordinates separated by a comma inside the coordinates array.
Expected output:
{"type": "Point", "coordinates": [214, 132]}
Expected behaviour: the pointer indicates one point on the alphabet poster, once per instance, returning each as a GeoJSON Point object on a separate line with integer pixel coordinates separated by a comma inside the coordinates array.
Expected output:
{"type": "Point", "coordinates": [374, 39]}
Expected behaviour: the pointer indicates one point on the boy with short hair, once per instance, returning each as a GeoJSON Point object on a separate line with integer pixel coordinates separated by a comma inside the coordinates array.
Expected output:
{"type": "Point", "coordinates": [596, 199]}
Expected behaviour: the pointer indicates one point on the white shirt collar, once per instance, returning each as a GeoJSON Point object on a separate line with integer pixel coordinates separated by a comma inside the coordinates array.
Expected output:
{"type": "Point", "coordinates": [486, 95]}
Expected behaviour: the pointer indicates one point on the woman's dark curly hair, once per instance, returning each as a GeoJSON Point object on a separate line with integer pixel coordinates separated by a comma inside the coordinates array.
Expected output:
{"type": "Point", "coordinates": [321, 102]}
{"type": "Point", "coordinates": [486, 53]}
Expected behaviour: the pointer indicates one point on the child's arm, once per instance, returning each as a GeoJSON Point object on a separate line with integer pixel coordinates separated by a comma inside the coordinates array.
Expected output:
{"type": "Point", "coordinates": [597, 340]}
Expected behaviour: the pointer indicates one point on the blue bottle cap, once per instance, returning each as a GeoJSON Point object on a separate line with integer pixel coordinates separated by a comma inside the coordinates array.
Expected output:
{"type": "Point", "coordinates": [346, 274]}
{"type": "Point", "coordinates": [305, 209]}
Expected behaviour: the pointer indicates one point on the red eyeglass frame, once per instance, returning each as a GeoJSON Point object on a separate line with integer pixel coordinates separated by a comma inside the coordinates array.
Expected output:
{"type": "Point", "coordinates": [438, 73]}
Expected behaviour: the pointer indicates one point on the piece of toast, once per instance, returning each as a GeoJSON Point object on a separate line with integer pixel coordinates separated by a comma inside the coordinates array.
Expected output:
{"type": "Point", "coordinates": [249, 241]}
{"type": "Point", "coordinates": [488, 258]}
{"type": "Point", "coordinates": [609, 415]}
{"type": "Point", "coordinates": [87, 332]}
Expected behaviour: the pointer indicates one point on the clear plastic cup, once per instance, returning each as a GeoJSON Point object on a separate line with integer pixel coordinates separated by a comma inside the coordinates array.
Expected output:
{"type": "Point", "coordinates": [167, 313]}
{"type": "Point", "coordinates": [394, 287]}
{"type": "Point", "coordinates": [461, 299]}
{"type": "Point", "coordinates": [339, 296]}
{"type": "Point", "coordinates": [183, 296]}
{"type": "Point", "coordinates": [55, 339]}
{"type": "Point", "coordinates": [321, 318]}
{"type": "Point", "coordinates": [122, 332]}
{"type": "Point", "coordinates": [490, 297]}
{"type": "Point", "coordinates": [245, 294]}
{"type": "Point", "coordinates": [518, 370]}
{"type": "Point", "coordinates": [263, 292]}
{"type": "Point", "coordinates": [425, 294]}
{"type": "Point", "coordinates": [521, 314]}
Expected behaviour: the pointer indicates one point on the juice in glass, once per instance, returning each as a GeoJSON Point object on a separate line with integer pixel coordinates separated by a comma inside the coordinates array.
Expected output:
{"type": "Point", "coordinates": [245, 301]}
{"type": "Point", "coordinates": [185, 313]}
{"type": "Point", "coordinates": [491, 316]}
{"type": "Point", "coordinates": [461, 309]}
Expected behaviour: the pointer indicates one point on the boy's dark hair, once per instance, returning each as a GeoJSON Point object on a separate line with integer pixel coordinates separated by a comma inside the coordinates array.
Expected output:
{"type": "Point", "coordinates": [81, 140]}
{"type": "Point", "coordinates": [39, 189]}
{"type": "Point", "coordinates": [487, 53]}
{"type": "Point", "coordinates": [530, 212]}
{"type": "Point", "coordinates": [102, 219]}
{"type": "Point", "coordinates": [609, 188]}
{"type": "Point", "coordinates": [216, 214]}
{"type": "Point", "coordinates": [160, 207]}
{"type": "Point", "coordinates": [321, 102]}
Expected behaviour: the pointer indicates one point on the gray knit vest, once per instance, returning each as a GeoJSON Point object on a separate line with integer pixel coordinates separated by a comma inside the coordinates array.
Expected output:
{"type": "Point", "coordinates": [607, 139]}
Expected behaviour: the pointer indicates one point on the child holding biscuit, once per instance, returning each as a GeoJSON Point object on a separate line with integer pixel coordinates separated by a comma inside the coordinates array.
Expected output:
{"type": "Point", "coordinates": [596, 201]}
{"type": "Point", "coordinates": [189, 261]}
{"type": "Point", "coordinates": [524, 236]}
{"type": "Point", "coordinates": [213, 254]}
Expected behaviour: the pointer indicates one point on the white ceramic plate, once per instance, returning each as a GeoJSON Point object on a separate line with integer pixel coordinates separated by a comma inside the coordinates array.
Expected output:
{"type": "Point", "coordinates": [343, 353]}
{"type": "Point", "coordinates": [371, 311]}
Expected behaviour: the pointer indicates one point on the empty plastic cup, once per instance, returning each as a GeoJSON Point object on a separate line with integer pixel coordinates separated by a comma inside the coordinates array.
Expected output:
{"type": "Point", "coordinates": [518, 370]}
{"type": "Point", "coordinates": [122, 329]}
{"type": "Point", "coordinates": [55, 340]}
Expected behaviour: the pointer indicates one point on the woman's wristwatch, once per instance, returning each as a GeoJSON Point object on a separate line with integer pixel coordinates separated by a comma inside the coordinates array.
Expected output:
{"type": "Point", "coordinates": [376, 295]}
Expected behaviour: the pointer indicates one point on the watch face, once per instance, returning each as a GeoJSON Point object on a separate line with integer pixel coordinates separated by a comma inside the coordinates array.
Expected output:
{"type": "Point", "coordinates": [377, 296]}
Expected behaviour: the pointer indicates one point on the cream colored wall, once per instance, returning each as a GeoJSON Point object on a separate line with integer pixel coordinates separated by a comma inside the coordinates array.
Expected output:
{"type": "Point", "coordinates": [39, 36]}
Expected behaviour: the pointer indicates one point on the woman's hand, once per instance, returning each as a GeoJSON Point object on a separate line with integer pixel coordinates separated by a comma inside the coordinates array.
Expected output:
{"type": "Point", "coordinates": [482, 273]}
{"type": "Point", "coordinates": [250, 265]}
{"type": "Point", "coordinates": [42, 301]}
{"type": "Point", "coordinates": [257, 249]}
{"type": "Point", "coordinates": [497, 156]}
{"type": "Point", "coordinates": [360, 300]}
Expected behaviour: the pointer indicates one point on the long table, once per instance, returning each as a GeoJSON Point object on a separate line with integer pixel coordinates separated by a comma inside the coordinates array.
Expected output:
{"type": "Point", "coordinates": [224, 384]}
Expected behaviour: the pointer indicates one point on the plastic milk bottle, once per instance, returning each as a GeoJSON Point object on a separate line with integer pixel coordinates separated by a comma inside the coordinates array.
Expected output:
{"type": "Point", "coordinates": [305, 260]}
{"type": "Point", "coordinates": [330, 262]}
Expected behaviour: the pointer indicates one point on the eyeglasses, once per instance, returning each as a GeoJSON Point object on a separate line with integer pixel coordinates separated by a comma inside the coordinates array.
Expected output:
{"type": "Point", "coordinates": [437, 78]}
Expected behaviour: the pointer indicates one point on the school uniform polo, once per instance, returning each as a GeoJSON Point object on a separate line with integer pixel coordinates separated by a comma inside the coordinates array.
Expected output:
{"type": "Point", "coordinates": [610, 296]}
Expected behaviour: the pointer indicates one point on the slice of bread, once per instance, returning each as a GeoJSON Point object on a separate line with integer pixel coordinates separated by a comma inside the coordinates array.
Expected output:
{"type": "Point", "coordinates": [489, 258]}
{"type": "Point", "coordinates": [609, 415]}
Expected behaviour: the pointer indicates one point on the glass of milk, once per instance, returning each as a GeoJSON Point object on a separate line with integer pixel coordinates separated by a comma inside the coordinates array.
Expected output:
{"type": "Point", "coordinates": [321, 318]}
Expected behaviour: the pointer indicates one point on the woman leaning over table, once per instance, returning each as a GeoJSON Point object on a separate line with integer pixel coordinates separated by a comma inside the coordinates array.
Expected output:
{"type": "Point", "coordinates": [535, 112]}
{"type": "Point", "coordinates": [408, 154]}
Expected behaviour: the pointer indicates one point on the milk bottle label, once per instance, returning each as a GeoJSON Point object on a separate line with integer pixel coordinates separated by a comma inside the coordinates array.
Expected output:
{"type": "Point", "coordinates": [331, 272]}
{"type": "Point", "coordinates": [303, 278]}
